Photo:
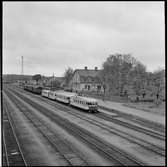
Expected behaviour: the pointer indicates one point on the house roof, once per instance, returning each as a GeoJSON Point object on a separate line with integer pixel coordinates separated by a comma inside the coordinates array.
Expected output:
{"type": "Point", "coordinates": [88, 76]}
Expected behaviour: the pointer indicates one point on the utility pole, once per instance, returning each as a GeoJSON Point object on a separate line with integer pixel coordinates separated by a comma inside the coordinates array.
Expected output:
{"type": "Point", "coordinates": [52, 80]}
{"type": "Point", "coordinates": [22, 73]}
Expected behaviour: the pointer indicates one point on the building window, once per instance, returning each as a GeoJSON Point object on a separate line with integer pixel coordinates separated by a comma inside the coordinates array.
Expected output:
{"type": "Point", "coordinates": [88, 87]}
{"type": "Point", "coordinates": [85, 86]}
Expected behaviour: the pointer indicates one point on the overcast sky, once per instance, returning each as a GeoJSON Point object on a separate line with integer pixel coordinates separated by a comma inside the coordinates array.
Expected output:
{"type": "Point", "coordinates": [53, 36]}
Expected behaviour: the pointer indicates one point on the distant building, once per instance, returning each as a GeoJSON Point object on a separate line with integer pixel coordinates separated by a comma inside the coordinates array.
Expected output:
{"type": "Point", "coordinates": [52, 81]}
{"type": "Point", "coordinates": [86, 80]}
{"type": "Point", "coordinates": [11, 78]}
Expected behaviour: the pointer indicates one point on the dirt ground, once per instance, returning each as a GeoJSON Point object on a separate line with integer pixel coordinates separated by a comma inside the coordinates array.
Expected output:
{"type": "Point", "coordinates": [148, 106]}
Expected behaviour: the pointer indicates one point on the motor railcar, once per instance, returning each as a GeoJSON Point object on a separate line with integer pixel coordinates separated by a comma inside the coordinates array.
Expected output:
{"type": "Point", "coordinates": [88, 104]}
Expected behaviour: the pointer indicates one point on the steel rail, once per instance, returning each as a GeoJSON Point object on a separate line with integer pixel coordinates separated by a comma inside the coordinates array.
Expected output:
{"type": "Point", "coordinates": [44, 130]}
{"type": "Point", "coordinates": [20, 154]}
{"type": "Point", "coordinates": [5, 149]}
{"type": "Point", "coordinates": [109, 150]}
{"type": "Point", "coordinates": [136, 119]}
{"type": "Point", "coordinates": [149, 146]}
{"type": "Point", "coordinates": [128, 125]}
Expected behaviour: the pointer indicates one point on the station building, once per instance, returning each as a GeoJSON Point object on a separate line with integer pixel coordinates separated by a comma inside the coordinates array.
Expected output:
{"type": "Point", "coordinates": [86, 80]}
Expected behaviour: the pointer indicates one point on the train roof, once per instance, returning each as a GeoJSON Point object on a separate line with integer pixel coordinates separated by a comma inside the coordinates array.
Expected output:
{"type": "Point", "coordinates": [66, 93]}
{"type": "Point", "coordinates": [37, 86]}
{"type": "Point", "coordinates": [54, 91]}
{"type": "Point", "coordinates": [90, 99]}
{"type": "Point", "coordinates": [45, 90]}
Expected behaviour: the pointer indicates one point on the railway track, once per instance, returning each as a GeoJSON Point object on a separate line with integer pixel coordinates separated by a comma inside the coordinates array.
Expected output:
{"type": "Point", "coordinates": [136, 119]}
{"type": "Point", "coordinates": [61, 147]}
{"type": "Point", "coordinates": [4, 153]}
{"type": "Point", "coordinates": [110, 118]}
{"type": "Point", "coordinates": [143, 143]}
{"type": "Point", "coordinates": [141, 121]}
{"type": "Point", "coordinates": [13, 155]}
{"type": "Point", "coordinates": [107, 150]}
{"type": "Point", "coordinates": [154, 134]}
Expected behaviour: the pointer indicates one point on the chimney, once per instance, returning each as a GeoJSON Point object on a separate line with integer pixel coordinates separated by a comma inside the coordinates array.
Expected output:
{"type": "Point", "coordinates": [96, 68]}
{"type": "Point", "coordinates": [86, 67]}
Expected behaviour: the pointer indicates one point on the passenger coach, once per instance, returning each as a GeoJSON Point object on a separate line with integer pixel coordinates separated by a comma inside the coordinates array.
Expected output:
{"type": "Point", "coordinates": [45, 93]}
{"type": "Point", "coordinates": [65, 97]}
{"type": "Point", "coordinates": [52, 95]}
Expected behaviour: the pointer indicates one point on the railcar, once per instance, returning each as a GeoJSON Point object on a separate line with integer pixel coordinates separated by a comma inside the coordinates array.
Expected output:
{"type": "Point", "coordinates": [88, 104]}
{"type": "Point", "coordinates": [33, 88]}
{"type": "Point", "coordinates": [25, 87]}
{"type": "Point", "coordinates": [45, 93]}
{"type": "Point", "coordinates": [52, 94]}
{"type": "Point", "coordinates": [37, 89]}
{"type": "Point", "coordinates": [64, 97]}
{"type": "Point", "coordinates": [28, 88]}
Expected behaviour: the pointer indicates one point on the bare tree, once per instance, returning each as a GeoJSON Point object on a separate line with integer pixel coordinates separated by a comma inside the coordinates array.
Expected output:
{"type": "Point", "coordinates": [137, 77]}
{"type": "Point", "coordinates": [117, 68]}
{"type": "Point", "coordinates": [68, 76]}
{"type": "Point", "coordinates": [159, 83]}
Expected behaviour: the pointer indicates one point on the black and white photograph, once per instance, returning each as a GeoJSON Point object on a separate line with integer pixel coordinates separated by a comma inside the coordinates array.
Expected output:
{"type": "Point", "coordinates": [83, 83]}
